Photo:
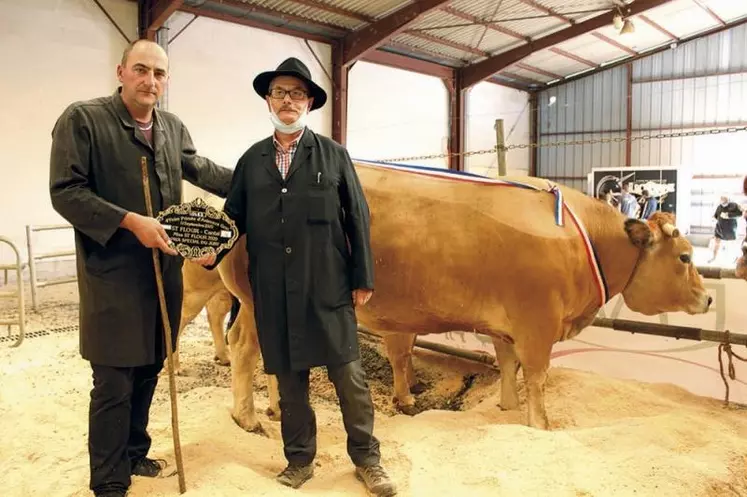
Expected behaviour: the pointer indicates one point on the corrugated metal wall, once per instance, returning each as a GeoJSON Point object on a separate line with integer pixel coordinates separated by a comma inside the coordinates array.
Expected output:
{"type": "Point", "coordinates": [700, 85]}
{"type": "Point", "coordinates": [591, 108]}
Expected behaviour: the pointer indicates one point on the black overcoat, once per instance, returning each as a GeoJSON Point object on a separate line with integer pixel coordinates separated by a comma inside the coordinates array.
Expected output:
{"type": "Point", "coordinates": [308, 241]}
{"type": "Point", "coordinates": [95, 179]}
{"type": "Point", "coordinates": [726, 229]}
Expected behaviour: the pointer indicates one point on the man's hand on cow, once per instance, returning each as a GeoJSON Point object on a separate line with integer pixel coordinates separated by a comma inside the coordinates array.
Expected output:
{"type": "Point", "coordinates": [205, 260]}
{"type": "Point", "coordinates": [149, 232]}
{"type": "Point", "coordinates": [361, 296]}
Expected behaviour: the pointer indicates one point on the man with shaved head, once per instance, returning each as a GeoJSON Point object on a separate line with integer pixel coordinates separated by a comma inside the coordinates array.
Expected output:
{"type": "Point", "coordinates": [96, 185]}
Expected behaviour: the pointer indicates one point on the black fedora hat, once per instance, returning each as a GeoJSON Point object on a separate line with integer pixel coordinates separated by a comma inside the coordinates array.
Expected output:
{"type": "Point", "coordinates": [291, 67]}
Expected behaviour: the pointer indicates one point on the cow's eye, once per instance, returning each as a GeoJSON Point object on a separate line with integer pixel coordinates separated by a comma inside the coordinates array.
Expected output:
{"type": "Point", "coordinates": [685, 258]}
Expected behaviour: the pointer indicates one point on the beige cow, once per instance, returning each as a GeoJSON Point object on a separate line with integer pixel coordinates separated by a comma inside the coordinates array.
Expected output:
{"type": "Point", "coordinates": [203, 288]}
{"type": "Point", "coordinates": [463, 255]}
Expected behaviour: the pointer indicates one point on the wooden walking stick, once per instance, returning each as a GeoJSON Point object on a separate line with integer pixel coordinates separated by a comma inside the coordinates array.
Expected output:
{"type": "Point", "coordinates": [167, 335]}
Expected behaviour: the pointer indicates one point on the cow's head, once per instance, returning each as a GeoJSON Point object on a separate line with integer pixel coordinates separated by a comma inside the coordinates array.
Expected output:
{"type": "Point", "coordinates": [741, 271]}
{"type": "Point", "coordinates": [665, 278]}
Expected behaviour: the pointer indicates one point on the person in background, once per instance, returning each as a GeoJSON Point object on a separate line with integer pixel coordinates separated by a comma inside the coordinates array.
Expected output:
{"type": "Point", "coordinates": [650, 205]}
{"type": "Point", "coordinates": [628, 202]}
{"type": "Point", "coordinates": [726, 216]}
{"type": "Point", "coordinates": [96, 185]}
{"type": "Point", "coordinates": [607, 197]}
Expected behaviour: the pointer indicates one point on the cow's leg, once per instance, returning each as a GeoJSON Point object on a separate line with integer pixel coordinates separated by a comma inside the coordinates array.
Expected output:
{"type": "Point", "coordinates": [244, 347]}
{"type": "Point", "coordinates": [416, 386]}
{"type": "Point", "coordinates": [242, 338]}
{"type": "Point", "coordinates": [273, 410]}
{"type": "Point", "coordinates": [535, 360]}
{"type": "Point", "coordinates": [217, 309]}
{"type": "Point", "coordinates": [193, 301]}
{"type": "Point", "coordinates": [508, 362]}
{"type": "Point", "coordinates": [399, 351]}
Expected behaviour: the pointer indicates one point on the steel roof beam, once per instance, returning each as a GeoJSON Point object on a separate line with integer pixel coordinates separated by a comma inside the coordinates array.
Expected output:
{"type": "Point", "coordinates": [538, 70]}
{"type": "Point", "coordinates": [648, 53]}
{"type": "Point", "coordinates": [159, 12]}
{"type": "Point", "coordinates": [710, 12]}
{"type": "Point", "coordinates": [406, 63]}
{"type": "Point", "coordinates": [545, 10]}
{"type": "Point", "coordinates": [252, 23]}
{"type": "Point", "coordinates": [482, 70]}
{"type": "Point", "coordinates": [359, 43]}
{"type": "Point", "coordinates": [615, 44]}
{"type": "Point", "coordinates": [658, 27]}
{"type": "Point", "coordinates": [492, 25]}
{"type": "Point", "coordinates": [572, 56]}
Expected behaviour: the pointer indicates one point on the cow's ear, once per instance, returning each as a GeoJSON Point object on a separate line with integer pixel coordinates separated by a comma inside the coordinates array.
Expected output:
{"type": "Point", "coordinates": [639, 233]}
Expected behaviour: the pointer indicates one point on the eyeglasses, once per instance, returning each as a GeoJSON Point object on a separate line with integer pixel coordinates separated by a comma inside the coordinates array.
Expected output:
{"type": "Point", "coordinates": [295, 94]}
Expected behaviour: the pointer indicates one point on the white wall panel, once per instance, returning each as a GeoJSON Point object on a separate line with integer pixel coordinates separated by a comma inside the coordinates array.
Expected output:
{"type": "Point", "coordinates": [393, 113]}
{"type": "Point", "coordinates": [486, 102]}
{"type": "Point", "coordinates": [53, 52]}
{"type": "Point", "coordinates": [212, 69]}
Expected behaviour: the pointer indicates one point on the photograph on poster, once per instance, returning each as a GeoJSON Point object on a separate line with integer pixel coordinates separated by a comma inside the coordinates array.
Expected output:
{"type": "Point", "coordinates": [659, 183]}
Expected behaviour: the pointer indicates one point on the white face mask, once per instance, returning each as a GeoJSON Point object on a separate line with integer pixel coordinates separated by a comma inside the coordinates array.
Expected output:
{"type": "Point", "coordinates": [291, 128]}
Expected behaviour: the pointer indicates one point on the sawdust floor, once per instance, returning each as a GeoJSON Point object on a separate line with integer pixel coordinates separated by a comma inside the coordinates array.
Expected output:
{"type": "Point", "coordinates": [609, 437]}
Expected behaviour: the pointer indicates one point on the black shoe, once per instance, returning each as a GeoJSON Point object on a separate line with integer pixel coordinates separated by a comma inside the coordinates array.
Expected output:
{"type": "Point", "coordinates": [112, 493]}
{"type": "Point", "coordinates": [150, 468]}
{"type": "Point", "coordinates": [294, 476]}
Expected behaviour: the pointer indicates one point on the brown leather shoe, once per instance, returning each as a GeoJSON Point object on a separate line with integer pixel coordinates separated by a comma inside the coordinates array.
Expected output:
{"type": "Point", "coordinates": [294, 475]}
{"type": "Point", "coordinates": [376, 480]}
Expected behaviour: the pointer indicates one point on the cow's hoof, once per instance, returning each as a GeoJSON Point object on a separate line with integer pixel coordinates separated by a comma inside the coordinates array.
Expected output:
{"type": "Point", "coordinates": [250, 425]}
{"type": "Point", "coordinates": [223, 361]}
{"type": "Point", "coordinates": [418, 388]}
{"type": "Point", "coordinates": [409, 409]}
{"type": "Point", "coordinates": [273, 414]}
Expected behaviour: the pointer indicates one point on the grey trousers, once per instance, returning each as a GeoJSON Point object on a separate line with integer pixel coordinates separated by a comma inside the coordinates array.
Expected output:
{"type": "Point", "coordinates": [298, 421]}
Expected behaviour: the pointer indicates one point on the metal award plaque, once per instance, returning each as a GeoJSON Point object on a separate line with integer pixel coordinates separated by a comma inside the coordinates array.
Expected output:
{"type": "Point", "coordinates": [197, 229]}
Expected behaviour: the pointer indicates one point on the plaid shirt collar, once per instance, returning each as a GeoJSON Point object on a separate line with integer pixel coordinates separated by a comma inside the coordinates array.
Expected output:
{"type": "Point", "coordinates": [284, 157]}
{"type": "Point", "coordinates": [291, 147]}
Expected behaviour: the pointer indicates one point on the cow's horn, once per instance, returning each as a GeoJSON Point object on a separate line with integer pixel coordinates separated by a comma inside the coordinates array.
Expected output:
{"type": "Point", "coordinates": [670, 230]}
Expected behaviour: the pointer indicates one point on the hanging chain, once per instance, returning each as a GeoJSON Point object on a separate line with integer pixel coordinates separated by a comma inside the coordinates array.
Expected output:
{"type": "Point", "coordinates": [659, 136]}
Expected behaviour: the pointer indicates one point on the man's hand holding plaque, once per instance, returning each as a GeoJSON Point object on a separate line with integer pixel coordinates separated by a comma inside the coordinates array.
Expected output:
{"type": "Point", "coordinates": [197, 231]}
{"type": "Point", "coordinates": [148, 231]}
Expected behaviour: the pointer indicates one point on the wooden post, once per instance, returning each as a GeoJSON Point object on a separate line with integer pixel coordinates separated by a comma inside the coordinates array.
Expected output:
{"type": "Point", "coordinates": [457, 119]}
{"type": "Point", "coordinates": [340, 96]}
{"type": "Point", "coordinates": [534, 134]}
{"type": "Point", "coordinates": [500, 143]}
{"type": "Point", "coordinates": [629, 116]}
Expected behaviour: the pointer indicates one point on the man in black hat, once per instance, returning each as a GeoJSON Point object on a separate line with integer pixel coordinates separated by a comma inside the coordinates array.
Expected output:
{"type": "Point", "coordinates": [298, 199]}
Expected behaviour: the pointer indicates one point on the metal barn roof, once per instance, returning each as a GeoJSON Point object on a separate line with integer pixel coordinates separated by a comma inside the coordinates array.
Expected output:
{"type": "Point", "coordinates": [521, 43]}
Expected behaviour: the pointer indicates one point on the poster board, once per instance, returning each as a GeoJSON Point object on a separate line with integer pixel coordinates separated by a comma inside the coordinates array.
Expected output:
{"type": "Point", "coordinates": [668, 185]}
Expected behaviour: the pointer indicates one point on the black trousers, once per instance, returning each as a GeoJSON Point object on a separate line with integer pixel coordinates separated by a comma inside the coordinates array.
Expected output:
{"type": "Point", "coordinates": [118, 422]}
{"type": "Point", "coordinates": [298, 421]}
